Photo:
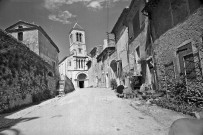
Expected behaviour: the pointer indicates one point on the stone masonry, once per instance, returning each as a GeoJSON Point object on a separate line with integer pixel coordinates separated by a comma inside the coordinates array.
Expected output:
{"type": "Point", "coordinates": [23, 74]}
{"type": "Point", "coordinates": [166, 45]}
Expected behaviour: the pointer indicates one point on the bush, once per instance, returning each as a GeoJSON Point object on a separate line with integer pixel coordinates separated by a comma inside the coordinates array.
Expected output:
{"type": "Point", "coordinates": [135, 82]}
{"type": "Point", "coordinates": [113, 84]}
{"type": "Point", "coordinates": [181, 99]}
{"type": "Point", "coordinates": [46, 94]}
{"type": "Point", "coordinates": [176, 105]}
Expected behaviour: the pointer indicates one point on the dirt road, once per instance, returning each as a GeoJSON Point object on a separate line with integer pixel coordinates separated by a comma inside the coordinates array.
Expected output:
{"type": "Point", "coordinates": [89, 111]}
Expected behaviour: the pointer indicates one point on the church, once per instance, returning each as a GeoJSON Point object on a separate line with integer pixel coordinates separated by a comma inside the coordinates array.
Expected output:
{"type": "Point", "coordinates": [74, 66]}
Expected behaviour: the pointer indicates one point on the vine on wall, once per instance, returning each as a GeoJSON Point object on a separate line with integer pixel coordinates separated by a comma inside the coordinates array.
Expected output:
{"type": "Point", "coordinates": [22, 73]}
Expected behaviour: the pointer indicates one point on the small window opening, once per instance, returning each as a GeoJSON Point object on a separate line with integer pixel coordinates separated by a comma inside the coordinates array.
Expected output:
{"type": "Point", "coordinates": [20, 34]}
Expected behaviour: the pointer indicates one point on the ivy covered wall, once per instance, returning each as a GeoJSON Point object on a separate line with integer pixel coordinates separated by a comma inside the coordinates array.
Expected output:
{"type": "Point", "coordinates": [24, 76]}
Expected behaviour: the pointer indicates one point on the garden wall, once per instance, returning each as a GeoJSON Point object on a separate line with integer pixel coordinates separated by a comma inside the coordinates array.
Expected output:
{"type": "Point", "coordinates": [24, 76]}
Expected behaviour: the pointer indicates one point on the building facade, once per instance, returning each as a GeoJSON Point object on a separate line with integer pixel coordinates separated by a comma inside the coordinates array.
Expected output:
{"type": "Point", "coordinates": [104, 60]}
{"type": "Point", "coordinates": [120, 31]}
{"type": "Point", "coordinates": [74, 66]}
{"type": "Point", "coordinates": [177, 41]}
{"type": "Point", "coordinates": [37, 40]}
{"type": "Point", "coordinates": [140, 51]}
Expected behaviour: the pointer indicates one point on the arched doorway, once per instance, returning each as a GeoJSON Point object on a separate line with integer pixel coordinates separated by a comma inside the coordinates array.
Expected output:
{"type": "Point", "coordinates": [81, 80]}
{"type": "Point", "coordinates": [113, 65]}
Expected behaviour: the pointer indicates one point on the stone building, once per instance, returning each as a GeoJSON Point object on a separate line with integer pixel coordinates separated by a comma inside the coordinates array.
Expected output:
{"type": "Point", "coordinates": [104, 60]}
{"type": "Point", "coordinates": [139, 52]}
{"type": "Point", "coordinates": [120, 30]}
{"type": "Point", "coordinates": [74, 66]}
{"type": "Point", "coordinates": [37, 40]}
{"type": "Point", "coordinates": [24, 76]}
{"type": "Point", "coordinates": [177, 40]}
{"type": "Point", "coordinates": [93, 69]}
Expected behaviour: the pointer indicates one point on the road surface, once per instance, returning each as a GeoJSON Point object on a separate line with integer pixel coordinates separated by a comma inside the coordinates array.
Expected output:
{"type": "Point", "coordinates": [89, 111]}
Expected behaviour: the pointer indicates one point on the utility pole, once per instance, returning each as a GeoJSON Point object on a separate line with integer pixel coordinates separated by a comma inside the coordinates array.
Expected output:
{"type": "Point", "coordinates": [107, 20]}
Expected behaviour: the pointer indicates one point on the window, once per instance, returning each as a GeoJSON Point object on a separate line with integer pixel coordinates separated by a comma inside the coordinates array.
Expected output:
{"type": "Point", "coordinates": [81, 63]}
{"type": "Point", "coordinates": [138, 51]}
{"type": "Point", "coordinates": [80, 50]}
{"type": "Point", "coordinates": [189, 61]}
{"type": "Point", "coordinates": [183, 51]}
{"type": "Point", "coordinates": [79, 37]}
{"type": "Point", "coordinates": [136, 24]}
{"type": "Point", "coordinates": [50, 74]}
{"type": "Point", "coordinates": [54, 64]}
{"type": "Point", "coordinates": [20, 34]}
{"type": "Point", "coordinates": [70, 63]}
{"type": "Point", "coordinates": [189, 65]}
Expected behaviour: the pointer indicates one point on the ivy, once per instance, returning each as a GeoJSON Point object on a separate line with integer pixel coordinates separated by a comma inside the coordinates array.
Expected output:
{"type": "Point", "coordinates": [22, 72]}
{"type": "Point", "coordinates": [182, 99]}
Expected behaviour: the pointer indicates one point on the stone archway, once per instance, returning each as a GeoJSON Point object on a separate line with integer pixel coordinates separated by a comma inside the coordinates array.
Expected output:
{"type": "Point", "coordinates": [81, 78]}
{"type": "Point", "coordinates": [113, 65]}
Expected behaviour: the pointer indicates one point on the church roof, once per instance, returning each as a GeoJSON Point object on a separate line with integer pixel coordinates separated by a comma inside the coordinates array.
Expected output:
{"type": "Point", "coordinates": [65, 58]}
{"type": "Point", "coordinates": [77, 27]}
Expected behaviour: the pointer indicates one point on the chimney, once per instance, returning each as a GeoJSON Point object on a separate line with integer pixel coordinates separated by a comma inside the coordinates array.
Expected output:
{"type": "Point", "coordinates": [105, 44]}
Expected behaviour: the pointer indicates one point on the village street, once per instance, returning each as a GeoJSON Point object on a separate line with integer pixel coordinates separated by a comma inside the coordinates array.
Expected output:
{"type": "Point", "coordinates": [89, 111]}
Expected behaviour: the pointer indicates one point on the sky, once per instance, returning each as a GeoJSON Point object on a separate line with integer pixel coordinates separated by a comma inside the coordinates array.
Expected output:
{"type": "Point", "coordinates": [57, 17]}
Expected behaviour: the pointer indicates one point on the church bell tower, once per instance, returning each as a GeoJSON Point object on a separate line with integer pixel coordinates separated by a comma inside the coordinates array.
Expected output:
{"type": "Point", "coordinates": [77, 41]}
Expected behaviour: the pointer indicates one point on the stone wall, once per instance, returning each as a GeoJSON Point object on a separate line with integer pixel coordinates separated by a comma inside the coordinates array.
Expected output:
{"type": "Point", "coordinates": [101, 74]}
{"type": "Point", "coordinates": [105, 72]}
{"type": "Point", "coordinates": [47, 51]}
{"type": "Point", "coordinates": [108, 72]}
{"type": "Point", "coordinates": [122, 49]}
{"type": "Point", "coordinates": [30, 39]}
{"type": "Point", "coordinates": [168, 13]}
{"type": "Point", "coordinates": [166, 46]}
{"type": "Point", "coordinates": [24, 76]}
{"type": "Point", "coordinates": [93, 72]}
{"type": "Point", "coordinates": [112, 74]}
{"type": "Point", "coordinates": [140, 68]}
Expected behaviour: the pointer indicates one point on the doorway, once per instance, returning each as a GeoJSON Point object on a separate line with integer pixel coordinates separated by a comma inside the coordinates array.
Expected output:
{"type": "Point", "coordinates": [81, 84]}
{"type": "Point", "coordinates": [81, 79]}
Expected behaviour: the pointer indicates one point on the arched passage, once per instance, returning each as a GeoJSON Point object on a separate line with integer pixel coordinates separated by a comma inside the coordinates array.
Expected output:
{"type": "Point", "coordinates": [113, 65]}
{"type": "Point", "coordinates": [81, 80]}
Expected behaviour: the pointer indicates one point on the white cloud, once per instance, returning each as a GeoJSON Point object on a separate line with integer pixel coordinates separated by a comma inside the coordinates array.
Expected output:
{"type": "Point", "coordinates": [53, 4]}
{"type": "Point", "coordinates": [62, 17]}
{"type": "Point", "coordinates": [96, 4]}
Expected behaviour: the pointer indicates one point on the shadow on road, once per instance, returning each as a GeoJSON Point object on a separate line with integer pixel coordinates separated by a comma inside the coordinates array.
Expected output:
{"type": "Point", "coordinates": [15, 131]}
{"type": "Point", "coordinates": [6, 123]}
